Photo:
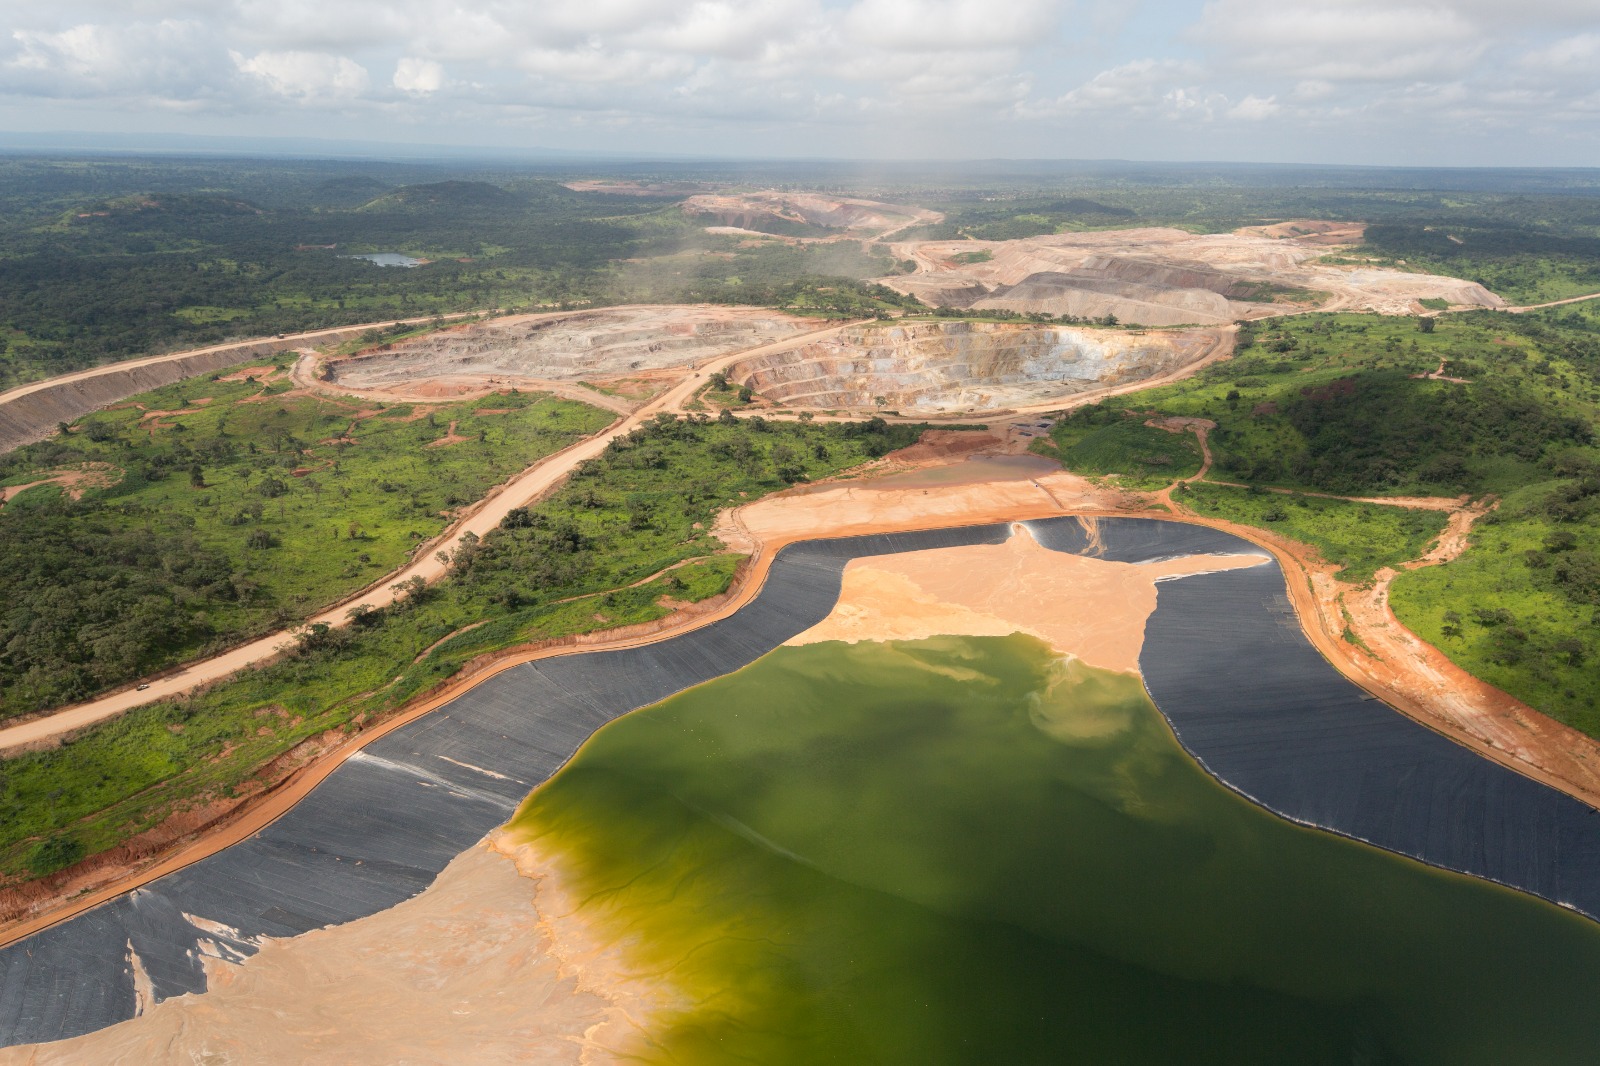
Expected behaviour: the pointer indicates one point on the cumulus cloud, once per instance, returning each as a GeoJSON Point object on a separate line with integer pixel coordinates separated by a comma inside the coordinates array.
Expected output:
{"type": "Point", "coordinates": [979, 75]}
{"type": "Point", "coordinates": [418, 76]}
{"type": "Point", "coordinates": [1255, 108]}
{"type": "Point", "coordinates": [305, 75]}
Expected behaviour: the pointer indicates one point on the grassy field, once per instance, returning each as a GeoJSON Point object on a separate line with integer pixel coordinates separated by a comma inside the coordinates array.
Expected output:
{"type": "Point", "coordinates": [1360, 538]}
{"type": "Point", "coordinates": [596, 555]}
{"type": "Point", "coordinates": [247, 509]}
{"type": "Point", "coordinates": [1102, 440]}
{"type": "Point", "coordinates": [1521, 609]}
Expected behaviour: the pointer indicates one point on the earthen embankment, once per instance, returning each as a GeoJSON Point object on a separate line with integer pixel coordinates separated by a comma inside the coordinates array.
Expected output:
{"type": "Point", "coordinates": [32, 412]}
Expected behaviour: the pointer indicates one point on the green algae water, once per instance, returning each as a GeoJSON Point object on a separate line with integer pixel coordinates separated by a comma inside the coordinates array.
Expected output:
{"type": "Point", "coordinates": [971, 850]}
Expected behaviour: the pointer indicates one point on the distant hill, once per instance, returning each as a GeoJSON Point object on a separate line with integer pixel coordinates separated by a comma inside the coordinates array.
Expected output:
{"type": "Point", "coordinates": [1078, 206]}
{"type": "Point", "coordinates": [446, 195]}
{"type": "Point", "coordinates": [350, 191]}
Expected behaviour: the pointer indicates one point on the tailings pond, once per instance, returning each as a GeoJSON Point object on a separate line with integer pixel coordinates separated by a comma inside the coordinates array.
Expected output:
{"type": "Point", "coordinates": [953, 850]}
{"type": "Point", "coordinates": [974, 850]}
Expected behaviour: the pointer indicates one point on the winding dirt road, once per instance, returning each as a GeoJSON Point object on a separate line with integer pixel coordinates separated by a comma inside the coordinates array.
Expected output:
{"type": "Point", "coordinates": [518, 492]}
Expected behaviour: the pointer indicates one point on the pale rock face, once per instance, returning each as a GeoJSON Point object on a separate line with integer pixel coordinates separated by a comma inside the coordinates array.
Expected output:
{"type": "Point", "coordinates": [944, 366]}
{"type": "Point", "coordinates": [591, 344]}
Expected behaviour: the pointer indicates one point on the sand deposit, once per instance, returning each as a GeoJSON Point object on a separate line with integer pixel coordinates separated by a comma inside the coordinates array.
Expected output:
{"type": "Point", "coordinates": [473, 969]}
{"type": "Point", "coordinates": [527, 350]}
{"type": "Point", "coordinates": [1094, 609]}
{"type": "Point", "coordinates": [944, 366]}
{"type": "Point", "coordinates": [1163, 277]}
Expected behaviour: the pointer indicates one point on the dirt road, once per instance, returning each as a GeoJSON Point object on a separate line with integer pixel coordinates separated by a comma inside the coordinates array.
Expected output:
{"type": "Point", "coordinates": [288, 341]}
{"type": "Point", "coordinates": [518, 492]}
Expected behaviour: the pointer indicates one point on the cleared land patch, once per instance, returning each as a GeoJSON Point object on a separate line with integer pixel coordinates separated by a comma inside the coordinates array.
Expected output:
{"type": "Point", "coordinates": [800, 214]}
{"type": "Point", "coordinates": [589, 346]}
{"type": "Point", "coordinates": [1163, 277]}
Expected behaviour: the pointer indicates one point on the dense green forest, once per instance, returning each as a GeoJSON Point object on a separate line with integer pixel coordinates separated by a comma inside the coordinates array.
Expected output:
{"type": "Point", "coordinates": [182, 520]}
{"type": "Point", "coordinates": [625, 539]}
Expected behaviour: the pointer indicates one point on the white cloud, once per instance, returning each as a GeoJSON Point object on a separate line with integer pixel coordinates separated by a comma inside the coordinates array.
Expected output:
{"type": "Point", "coordinates": [307, 76]}
{"type": "Point", "coordinates": [1579, 54]}
{"type": "Point", "coordinates": [1255, 108]}
{"type": "Point", "coordinates": [418, 76]}
{"type": "Point", "coordinates": [958, 75]}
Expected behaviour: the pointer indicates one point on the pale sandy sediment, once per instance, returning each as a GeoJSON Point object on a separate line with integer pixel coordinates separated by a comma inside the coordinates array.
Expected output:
{"type": "Point", "coordinates": [470, 970]}
{"type": "Point", "coordinates": [1091, 608]}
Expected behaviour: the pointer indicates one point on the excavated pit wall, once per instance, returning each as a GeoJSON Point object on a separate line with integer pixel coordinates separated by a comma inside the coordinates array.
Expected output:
{"type": "Point", "coordinates": [941, 366]}
{"type": "Point", "coordinates": [570, 348]}
{"type": "Point", "coordinates": [32, 412]}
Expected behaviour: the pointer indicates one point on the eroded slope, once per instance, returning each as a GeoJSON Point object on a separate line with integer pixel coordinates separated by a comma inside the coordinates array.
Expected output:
{"type": "Point", "coordinates": [926, 367]}
{"type": "Point", "coordinates": [587, 345]}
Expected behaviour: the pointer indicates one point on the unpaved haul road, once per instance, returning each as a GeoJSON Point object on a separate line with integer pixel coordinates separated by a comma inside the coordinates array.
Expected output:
{"type": "Point", "coordinates": [518, 492]}
{"type": "Point", "coordinates": [289, 340]}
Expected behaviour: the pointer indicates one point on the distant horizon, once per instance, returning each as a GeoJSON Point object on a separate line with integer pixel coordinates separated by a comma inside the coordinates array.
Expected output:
{"type": "Point", "coordinates": [333, 149]}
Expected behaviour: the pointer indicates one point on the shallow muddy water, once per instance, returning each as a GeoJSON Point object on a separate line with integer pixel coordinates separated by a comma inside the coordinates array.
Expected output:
{"type": "Point", "coordinates": [970, 850]}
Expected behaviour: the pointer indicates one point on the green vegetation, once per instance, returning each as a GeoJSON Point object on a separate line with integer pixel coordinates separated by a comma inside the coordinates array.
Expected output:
{"type": "Point", "coordinates": [1335, 404]}
{"type": "Point", "coordinates": [1105, 439]}
{"type": "Point", "coordinates": [842, 853]}
{"type": "Point", "coordinates": [599, 553]}
{"type": "Point", "coordinates": [244, 512]}
{"type": "Point", "coordinates": [1525, 266]}
{"type": "Point", "coordinates": [1022, 217]}
{"type": "Point", "coordinates": [1521, 609]}
{"type": "Point", "coordinates": [1360, 538]}
{"type": "Point", "coordinates": [1332, 403]}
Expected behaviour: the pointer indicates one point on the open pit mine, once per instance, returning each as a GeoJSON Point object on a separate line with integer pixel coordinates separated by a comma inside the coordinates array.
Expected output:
{"type": "Point", "coordinates": [936, 367]}
{"type": "Point", "coordinates": [586, 346]}
{"type": "Point", "coordinates": [1168, 277]}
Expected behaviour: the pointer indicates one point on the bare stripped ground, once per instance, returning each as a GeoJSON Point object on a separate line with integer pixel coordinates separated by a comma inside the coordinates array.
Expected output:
{"type": "Point", "coordinates": [552, 352]}
{"type": "Point", "coordinates": [1163, 277]}
{"type": "Point", "coordinates": [73, 482]}
{"type": "Point", "coordinates": [950, 366]}
{"type": "Point", "coordinates": [771, 212]}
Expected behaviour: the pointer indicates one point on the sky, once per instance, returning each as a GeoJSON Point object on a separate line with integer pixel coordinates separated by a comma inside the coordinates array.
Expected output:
{"type": "Point", "coordinates": [1382, 82]}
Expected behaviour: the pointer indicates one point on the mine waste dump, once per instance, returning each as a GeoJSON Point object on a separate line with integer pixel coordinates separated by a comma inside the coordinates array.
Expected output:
{"type": "Point", "coordinates": [800, 214]}
{"type": "Point", "coordinates": [964, 366]}
{"type": "Point", "coordinates": [594, 344]}
{"type": "Point", "coordinates": [1166, 277]}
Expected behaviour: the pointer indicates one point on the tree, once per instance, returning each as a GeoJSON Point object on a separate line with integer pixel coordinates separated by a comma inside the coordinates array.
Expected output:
{"type": "Point", "coordinates": [197, 476]}
{"type": "Point", "coordinates": [1426, 323]}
